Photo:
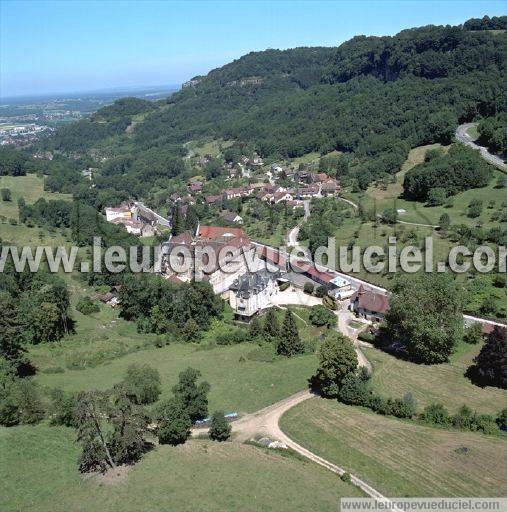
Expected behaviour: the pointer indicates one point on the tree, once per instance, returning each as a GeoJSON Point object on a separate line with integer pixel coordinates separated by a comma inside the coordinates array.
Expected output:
{"type": "Point", "coordinates": [129, 424]}
{"type": "Point", "coordinates": [174, 422]}
{"type": "Point", "coordinates": [92, 409]}
{"type": "Point", "coordinates": [491, 363]}
{"type": "Point", "coordinates": [193, 396]}
{"type": "Point", "coordinates": [255, 328]}
{"type": "Point", "coordinates": [473, 334]}
{"type": "Point", "coordinates": [444, 221]}
{"type": "Point", "coordinates": [320, 291]}
{"type": "Point", "coordinates": [87, 306]}
{"type": "Point", "coordinates": [425, 315]}
{"type": "Point", "coordinates": [390, 216]}
{"type": "Point", "coordinates": [220, 429]}
{"type": "Point", "coordinates": [62, 408]}
{"type": "Point", "coordinates": [142, 383]}
{"type": "Point", "coordinates": [289, 343]}
{"type": "Point", "coordinates": [6, 194]}
{"type": "Point", "coordinates": [178, 222]}
{"type": "Point", "coordinates": [271, 327]}
{"type": "Point", "coordinates": [337, 360]}
{"type": "Point", "coordinates": [319, 316]}
{"type": "Point", "coordinates": [11, 347]}
{"type": "Point", "coordinates": [437, 196]}
{"type": "Point", "coordinates": [475, 208]}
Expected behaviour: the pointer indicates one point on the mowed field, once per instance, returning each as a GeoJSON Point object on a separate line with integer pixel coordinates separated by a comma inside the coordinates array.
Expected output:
{"type": "Point", "coordinates": [443, 383]}
{"type": "Point", "coordinates": [237, 383]}
{"type": "Point", "coordinates": [400, 458]}
{"type": "Point", "coordinates": [38, 473]}
{"type": "Point", "coordinates": [30, 187]}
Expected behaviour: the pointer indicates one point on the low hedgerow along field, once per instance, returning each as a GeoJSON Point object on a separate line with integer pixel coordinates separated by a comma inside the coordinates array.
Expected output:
{"type": "Point", "coordinates": [400, 458]}
{"type": "Point", "coordinates": [38, 471]}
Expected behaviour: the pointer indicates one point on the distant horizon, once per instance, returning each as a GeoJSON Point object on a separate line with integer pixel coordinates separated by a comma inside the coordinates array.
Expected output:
{"type": "Point", "coordinates": [107, 90]}
{"type": "Point", "coordinates": [51, 47]}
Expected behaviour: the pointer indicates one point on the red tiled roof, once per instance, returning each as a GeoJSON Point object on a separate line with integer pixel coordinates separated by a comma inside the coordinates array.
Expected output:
{"type": "Point", "coordinates": [313, 272]}
{"type": "Point", "coordinates": [213, 232]}
{"type": "Point", "coordinates": [375, 302]}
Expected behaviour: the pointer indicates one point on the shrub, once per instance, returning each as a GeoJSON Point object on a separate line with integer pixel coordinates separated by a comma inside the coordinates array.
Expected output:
{"type": "Point", "coordinates": [473, 334]}
{"type": "Point", "coordinates": [463, 419]}
{"type": "Point", "coordinates": [87, 306]}
{"type": "Point", "coordinates": [500, 281]}
{"type": "Point", "coordinates": [284, 286]}
{"type": "Point", "coordinates": [501, 419]}
{"type": "Point", "coordinates": [366, 336]}
{"type": "Point", "coordinates": [308, 288]}
{"type": "Point", "coordinates": [435, 413]}
{"type": "Point", "coordinates": [62, 409]}
{"type": "Point", "coordinates": [233, 337]}
{"type": "Point", "coordinates": [320, 316]}
{"type": "Point", "coordinates": [486, 423]}
{"type": "Point", "coordinates": [345, 477]}
{"type": "Point", "coordinates": [220, 429]}
{"type": "Point", "coordinates": [320, 291]}
{"type": "Point", "coordinates": [6, 194]}
{"type": "Point", "coordinates": [329, 303]}
{"type": "Point", "coordinates": [355, 391]}
{"type": "Point", "coordinates": [143, 383]}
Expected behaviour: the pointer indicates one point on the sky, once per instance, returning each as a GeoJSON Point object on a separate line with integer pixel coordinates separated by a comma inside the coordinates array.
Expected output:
{"type": "Point", "coordinates": [74, 46]}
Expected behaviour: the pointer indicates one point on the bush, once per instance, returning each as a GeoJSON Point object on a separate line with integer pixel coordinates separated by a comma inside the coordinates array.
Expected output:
{"type": "Point", "coordinates": [220, 429]}
{"type": "Point", "coordinates": [320, 316]}
{"type": "Point", "coordinates": [329, 303]}
{"type": "Point", "coordinates": [345, 477]}
{"type": "Point", "coordinates": [284, 286]}
{"type": "Point", "coordinates": [233, 337]}
{"type": "Point", "coordinates": [366, 336]}
{"type": "Point", "coordinates": [6, 194]}
{"type": "Point", "coordinates": [143, 383]}
{"type": "Point", "coordinates": [355, 391]}
{"type": "Point", "coordinates": [87, 306]}
{"type": "Point", "coordinates": [320, 291]}
{"type": "Point", "coordinates": [501, 419]}
{"type": "Point", "coordinates": [473, 334]}
{"type": "Point", "coordinates": [62, 409]}
{"type": "Point", "coordinates": [308, 288]}
{"type": "Point", "coordinates": [435, 413]}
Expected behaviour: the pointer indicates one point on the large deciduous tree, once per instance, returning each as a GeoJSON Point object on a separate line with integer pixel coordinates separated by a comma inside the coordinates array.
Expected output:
{"type": "Point", "coordinates": [337, 360]}
{"type": "Point", "coordinates": [491, 363]}
{"type": "Point", "coordinates": [193, 396]}
{"type": "Point", "coordinates": [425, 315]}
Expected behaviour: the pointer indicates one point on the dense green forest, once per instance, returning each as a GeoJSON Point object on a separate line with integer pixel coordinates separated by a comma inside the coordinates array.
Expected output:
{"type": "Point", "coordinates": [372, 97]}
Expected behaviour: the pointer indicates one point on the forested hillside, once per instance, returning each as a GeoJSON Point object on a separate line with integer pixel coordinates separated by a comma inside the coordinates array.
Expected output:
{"type": "Point", "coordinates": [372, 97]}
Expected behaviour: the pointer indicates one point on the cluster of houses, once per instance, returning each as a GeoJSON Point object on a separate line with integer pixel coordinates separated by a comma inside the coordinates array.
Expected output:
{"type": "Point", "coordinates": [137, 218]}
{"type": "Point", "coordinates": [250, 290]}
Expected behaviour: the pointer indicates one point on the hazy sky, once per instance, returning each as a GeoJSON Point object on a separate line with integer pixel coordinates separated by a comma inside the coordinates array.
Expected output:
{"type": "Point", "coordinates": [64, 46]}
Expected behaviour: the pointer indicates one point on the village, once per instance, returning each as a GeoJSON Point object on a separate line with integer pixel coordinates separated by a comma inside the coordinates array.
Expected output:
{"type": "Point", "coordinates": [250, 292]}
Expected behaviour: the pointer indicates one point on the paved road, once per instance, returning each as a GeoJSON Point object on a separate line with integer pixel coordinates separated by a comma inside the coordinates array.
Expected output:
{"type": "Point", "coordinates": [464, 138]}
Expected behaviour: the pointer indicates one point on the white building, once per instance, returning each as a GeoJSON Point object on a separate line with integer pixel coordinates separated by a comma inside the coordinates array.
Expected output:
{"type": "Point", "coordinates": [340, 288]}
{"type": "Point", "coordinates": [252, 292]}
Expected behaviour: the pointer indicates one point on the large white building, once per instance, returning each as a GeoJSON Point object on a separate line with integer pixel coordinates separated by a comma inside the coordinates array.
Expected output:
{"type": "Point", "coordinates": [252, 292]}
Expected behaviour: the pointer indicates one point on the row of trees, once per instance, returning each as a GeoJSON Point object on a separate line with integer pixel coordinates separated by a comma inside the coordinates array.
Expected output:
{"type": "Point", "coordinates": [285, 337]}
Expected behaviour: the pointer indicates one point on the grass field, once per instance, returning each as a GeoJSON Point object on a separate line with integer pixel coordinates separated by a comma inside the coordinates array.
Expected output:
{"type": "Point", "coordinates": [38, 473]}
{"type": "Point", "coordinates": [417, 212]}
{"type": "Point", "coordinates": [30, 187]}
{"type": "Point", "coordinates": [237, 383]}
{"type": "Point", "coordinates": [444, 383]}
{"type": "Point", "coordinates": [400, 458]}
